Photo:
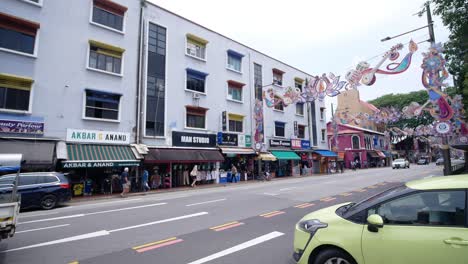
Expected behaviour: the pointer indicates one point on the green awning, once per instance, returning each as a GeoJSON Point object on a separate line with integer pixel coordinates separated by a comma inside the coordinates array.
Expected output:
{"type": "Point", "coordinates": [285, 155]}
{"type": "Point", "coordinates": [96, 156]}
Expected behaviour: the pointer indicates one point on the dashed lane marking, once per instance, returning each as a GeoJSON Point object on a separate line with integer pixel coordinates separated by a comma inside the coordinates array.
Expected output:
{"type": "Point", "coordinates": [327, 199]}
{"type": "Point", "coordinates": [271, 194]}
{"type": "Point", "coordinates": [372, 186]}
{"type": "Point", "coordinates": [157, 244]}
{"type": "Point", "coordinates": [271, 214]}
{"type": "Point", "coordinates": [304, 205]}
{"type": "Point", "coordinates": [346, 194]}
{"type": "Point", "coordinates": [43, 228]}
{"type": "Point", "coordinates": [226, 226]}
{"type": "Point", "coordinates": [361, 190]}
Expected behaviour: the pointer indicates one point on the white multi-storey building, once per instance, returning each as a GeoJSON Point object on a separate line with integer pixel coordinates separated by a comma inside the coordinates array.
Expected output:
{"type": "Point", "coordinates": [82, 80]}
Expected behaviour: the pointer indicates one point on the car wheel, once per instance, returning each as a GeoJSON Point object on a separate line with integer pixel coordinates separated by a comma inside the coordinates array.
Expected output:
{"type": "Point", "coordinates": [48, 202]}
{"type": "Point", "coordinates": [333, 256]}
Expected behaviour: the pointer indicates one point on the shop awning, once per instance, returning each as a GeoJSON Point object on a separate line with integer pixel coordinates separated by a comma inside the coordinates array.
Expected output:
{"type": "Point", "coordinates": [266, 156]}
{"type": "Point", "coordinates": [388, 154]}
{"type": "Point", "coordinates": [380, 153]}
{"type": "Point", "coordinates": [99, 156]}
{"type": "Point", "coordinates": [373, 154]}
{"type": "Point", "coordinates": [241, 151]}
{"type": "Point", "coordinates": [326, 153]}
{"type": "Point", "coordinates": [35, 153]}
{"type": "Point", "coordinates": [158, 155]}
{"type": "Point", "coordinates": [286, 155]}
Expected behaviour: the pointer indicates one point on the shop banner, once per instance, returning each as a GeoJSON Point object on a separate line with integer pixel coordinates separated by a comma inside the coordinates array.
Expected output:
{"type": "Point", "coordinates": [241, 142]}
{"type": "Point", "coordinates": [219, 138]}
{"type": "Point", "coordinates": [229, 140]}
{"type": "Point", "coordinates": [32, 127]}
{"type": "Point", "coordinates": [305, 144]}
{"type": "Point", "coordinates": [248, 140]}
{"type": "Point", "coordinates": [96, 164]}
{"type": "Point", "coordinates": [100, 137]}
{"type": "Point", "coordinates": [280, 143]}
{"type": "Point", "coordinates": [186, 139]}
{"type": "Point", "coordinates": [295, 143]}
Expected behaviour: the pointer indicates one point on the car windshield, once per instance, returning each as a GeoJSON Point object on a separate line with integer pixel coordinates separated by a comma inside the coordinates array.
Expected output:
{"type": "Point", "coordinates": [380, 196]}
{"type": "Point", "coordinates": [399, 160]}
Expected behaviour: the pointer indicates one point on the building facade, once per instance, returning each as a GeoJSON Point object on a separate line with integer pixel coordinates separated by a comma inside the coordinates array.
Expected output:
{"type": "Point", "coordinates": [98, 85]}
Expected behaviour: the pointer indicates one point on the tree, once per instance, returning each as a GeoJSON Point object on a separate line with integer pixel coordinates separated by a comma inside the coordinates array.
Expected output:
{"type": "Point", "coordinates": [399, 101]}
{"type": "Point", "coordinates": [454, 14]}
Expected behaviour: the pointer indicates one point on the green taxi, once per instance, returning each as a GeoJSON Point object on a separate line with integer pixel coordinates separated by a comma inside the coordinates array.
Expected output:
{"type": "Point", "coordinates": [423, 221]}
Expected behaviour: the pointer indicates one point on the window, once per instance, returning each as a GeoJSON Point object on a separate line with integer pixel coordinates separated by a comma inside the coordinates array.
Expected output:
{"type": "Point", "coordinates": [280, 129]}
{"type": "Point", "coordinates": [47, 179]}
{"type": "Point", "coordinates": [235, 90]}
{"type": "Point", "coordinates": [196, 46]}
{"type": "Point", "coordinates": [300, 109]}
{"type": "Point", "coordinates": [279, 104]}
{"type": "Point", "coordinates": [258, 81]}
{"type": "Point", "coordinates": [298, 83]}
{"type": "Point", "coordinates": [27, 180]}
{"type": "Point", "coordinates": [15, 92]}
{"type": "Point", "coordinates": [278, 77]}
{"type": "Point", "coordinates": [102, 105]}
{"type": "Point", "coordinates": [355, 142]}
{"type": "Point", "coordinates": [301, 131]}
{"type": "Point", "coordinates": [17, 34]}
{"type": "Point", "coordinates": [109, 14]}
{"type": "Point", "coordinates": [236, 123]}
{"type": "Point", "coordinates": [234, 60]}
{"type": "Point", "coordinates": [322, 113]}
{"type": "Point", "coordinates": [196, 81]}
{"type": "Point", "coordinates": [196, 117]}
{"type": "Point", "coordinates": [434, 208]}
{"type": "Point", "coordinates": [105, 57]}
{"type": "Point", "coordinates": [323, 135]}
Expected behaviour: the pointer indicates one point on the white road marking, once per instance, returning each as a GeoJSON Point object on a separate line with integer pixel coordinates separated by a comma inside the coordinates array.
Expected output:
{"type": "Point", "coordinates": [43, 228]}
{"type": "Point", "coordinates": [239, 247]}
{"type": "Point", "coordinates": [52, 219]}
{"type": "Point", "coordinates": [213, 201]}
{"type": "Point", "coordinates": [124, 209]}
{"type": "Point", "coordinates": [271, 194]}
{"type": "Point", "coordinates": [34, 215]}
{"type": "Point", "coordinates": [159, 222]}
{"type": "Point", "coordinates": [101, 233]}
{"type": "Point", "coordinates": [63, 240]}
{"type": "Point", "coordinates": [287, 189]}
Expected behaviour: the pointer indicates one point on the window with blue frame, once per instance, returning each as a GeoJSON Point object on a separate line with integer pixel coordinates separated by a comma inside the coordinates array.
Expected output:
{"type": "Point", "coordinates": [280, 129]}
{"type": "Point", "coordinates": [234, 60]}
{"type": "Point", "coordinates": [102, 105]}
{"type": "Point", "coordinates": [196, 81]}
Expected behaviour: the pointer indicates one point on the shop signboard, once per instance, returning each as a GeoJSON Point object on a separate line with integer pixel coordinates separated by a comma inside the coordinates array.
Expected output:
{"type": "Point", "coordinates": [229, 140]}
{"type": "Point", "coordinates": [224, 119]}
{"type": "Point", "coordinates": [296, 128]}
{"type": "Point", "coordinates": [220, 138]}
{"type": "Point", "coordinates": [248, 141]}
{"type": "Point", "coordinates": [295, 143]}
{"type": "Point", "coordinates": [21, 125]}
{"type": "Point", "coordinates": [241, 142]}
{"type": "Point", "coordinates": [99, 164]}
{"type": "Point", "coordinates": [99, 137]}
{"type": "Point", "coordinates": [280, 143]}
{"type": "Point", "coordinates": [186, 139]}
{"type": "Point", "coordinates": [305, 144]}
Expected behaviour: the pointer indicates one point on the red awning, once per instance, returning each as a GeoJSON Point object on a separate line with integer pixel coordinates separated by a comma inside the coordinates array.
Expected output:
{"type": "Point", "coordinates": [381, 154]}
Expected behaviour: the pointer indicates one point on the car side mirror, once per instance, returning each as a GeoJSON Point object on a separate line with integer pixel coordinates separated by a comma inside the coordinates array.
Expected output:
{"type": "Point", "coordinates": [374, 222]}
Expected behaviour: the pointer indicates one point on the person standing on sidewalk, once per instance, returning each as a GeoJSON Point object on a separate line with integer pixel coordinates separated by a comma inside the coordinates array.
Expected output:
{"type": "Point", "coordinates": [193, 175]}
{"type": "Point", "coordinates": [124, 180]}
{"type": "Point", "coordinates": [233, 173]}
{"type": "Point", "coordinates": [144, 180]}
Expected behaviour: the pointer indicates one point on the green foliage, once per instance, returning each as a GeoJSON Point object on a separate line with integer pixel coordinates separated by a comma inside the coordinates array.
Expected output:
{"type": "Point", "coordinates": [454, 14]}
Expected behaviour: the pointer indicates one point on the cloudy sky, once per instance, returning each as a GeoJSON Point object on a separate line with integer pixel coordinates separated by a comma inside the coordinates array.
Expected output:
{"type": "Point", "coordinates": [321, 36]}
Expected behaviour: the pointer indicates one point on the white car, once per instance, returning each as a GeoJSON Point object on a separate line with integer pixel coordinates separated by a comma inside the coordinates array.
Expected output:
{"type": "Point", "coordinates": [400, 163]}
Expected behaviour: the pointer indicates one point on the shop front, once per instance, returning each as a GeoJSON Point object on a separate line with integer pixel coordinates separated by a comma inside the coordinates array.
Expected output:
{"type": "Point", "coordinates": [302, 148]}
{"type": "Point", "coordinates": [374, 159]}
{"type": "Point", "coordinates": [327, 160]}
{"type": "Point", "coordinates": [237, 151]}
{"type": "Point", "coordinates": [287, 163]}
{"type": "Point", "coordinates": [171, 167]}
{"type": "Point", "coordinates": [94, 161]}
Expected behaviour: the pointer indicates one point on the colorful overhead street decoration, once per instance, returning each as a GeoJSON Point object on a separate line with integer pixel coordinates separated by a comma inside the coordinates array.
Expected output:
{"type": "Point", "coordinates": [319, 87]}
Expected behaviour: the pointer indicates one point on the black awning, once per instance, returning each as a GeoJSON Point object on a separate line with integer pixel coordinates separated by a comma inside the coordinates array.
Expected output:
{"type": "Point", "coordinates": [35, 153]}
{"type": "Point", "coordinates": [156, 155]}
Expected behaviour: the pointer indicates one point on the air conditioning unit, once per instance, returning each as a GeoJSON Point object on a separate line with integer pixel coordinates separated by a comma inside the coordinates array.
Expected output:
{"type": "Point", "coordinates": [196, 96]}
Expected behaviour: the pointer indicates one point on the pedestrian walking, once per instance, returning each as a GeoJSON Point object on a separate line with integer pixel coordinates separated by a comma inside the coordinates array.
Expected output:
{"type": "Point", "coordinates": [125, 181]}
{"type": "Point", "coordinates": [144, 181]}
{"type": "Point", "coordinates": [193, 175]}
{"type": "Point", "coordinates": [233, 173]}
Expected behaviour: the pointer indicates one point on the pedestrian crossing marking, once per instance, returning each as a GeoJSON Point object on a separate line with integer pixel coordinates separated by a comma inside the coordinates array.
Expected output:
{"type": "Point", "coordinates": [154, 243]}
{"type": "Point", "coordinates": [346, 194]}
{"type": "Point", "coordinates": [226, 226]}
{"type": "Point", "coordinates": [304, 205]}
{"type": "Point", "coordinates": [327, 199]}
{"type": "Point", "coordinates": [271, 214]}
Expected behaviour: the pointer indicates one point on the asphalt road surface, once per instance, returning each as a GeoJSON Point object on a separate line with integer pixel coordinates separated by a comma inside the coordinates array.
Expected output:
{"type": "Point", "coordinates": [239, 223]}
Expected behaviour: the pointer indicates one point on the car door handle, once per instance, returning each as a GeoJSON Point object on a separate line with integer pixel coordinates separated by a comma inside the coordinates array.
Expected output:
{"type": "Point", "coordinates": [456, 242]}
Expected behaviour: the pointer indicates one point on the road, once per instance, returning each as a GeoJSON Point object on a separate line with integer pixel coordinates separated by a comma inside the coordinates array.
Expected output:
{"type": "Point", "coordinates": [239, 223]}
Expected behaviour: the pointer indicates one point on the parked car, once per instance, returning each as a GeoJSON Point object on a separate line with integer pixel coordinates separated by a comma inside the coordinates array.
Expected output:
{"type": "Point", "coordinates": [423, 161]}
{"type": "Point", "coordinates": [422, 221]}
{"type": "Point", "coordinates": [39, 189]}
{"type": "Point", "coordinates": [440, 161]}
{"type": "Point", "coordinates": [400, 163]}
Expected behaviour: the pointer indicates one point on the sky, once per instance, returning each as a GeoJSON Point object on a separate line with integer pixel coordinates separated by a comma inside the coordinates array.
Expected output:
{"type": "Point", "coordinates": [322, 36]}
